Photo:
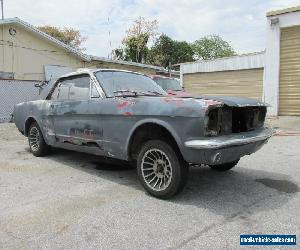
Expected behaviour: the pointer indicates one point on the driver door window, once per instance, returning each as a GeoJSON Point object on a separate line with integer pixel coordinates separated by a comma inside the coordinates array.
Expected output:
{"type": "Point", "coordinates": [79, 88]}
{"type": "Point", "coordinates": [73, 88]}
{"type": "Point", "coordinates": [61, 92]}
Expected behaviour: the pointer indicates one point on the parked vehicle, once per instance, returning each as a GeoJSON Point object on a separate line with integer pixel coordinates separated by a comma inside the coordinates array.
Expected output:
{"type": "Point", "coordinates": [126, 116]}
{"type": "Point", "coordinates": [169, 84]}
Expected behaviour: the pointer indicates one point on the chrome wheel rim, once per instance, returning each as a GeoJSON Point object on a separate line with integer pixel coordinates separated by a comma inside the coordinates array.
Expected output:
{"type": "Point", "coordinates": [156, 169]}
{"type": "Point", "coordinates": [34, 139]}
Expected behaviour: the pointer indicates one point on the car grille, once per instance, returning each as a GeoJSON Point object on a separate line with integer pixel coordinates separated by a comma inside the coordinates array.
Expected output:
{"type": "Point", "coordinates": [226, 120]}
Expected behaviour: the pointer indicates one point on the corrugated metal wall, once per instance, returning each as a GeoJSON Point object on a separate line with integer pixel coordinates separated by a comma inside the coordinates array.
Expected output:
{"type": "Point", "coordinates": [289, 86]}
{"type": "Point", "coordinates": [13, 92]}
{"type": "Point", "coordinates": [247, 83]}
{"type": "Point", "coordinates": [249, 61]}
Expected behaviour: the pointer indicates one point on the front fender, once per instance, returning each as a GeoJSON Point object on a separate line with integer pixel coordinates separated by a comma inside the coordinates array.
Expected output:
{"type": "Point", "coordinates": [153, 121]}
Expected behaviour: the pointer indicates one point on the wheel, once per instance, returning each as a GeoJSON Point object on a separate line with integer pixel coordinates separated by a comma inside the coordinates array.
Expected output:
{"type": "Point", "coordinates": [37, 144]}
{"type": "Point", "coordinates": [225, 166]}
{"type": "Point", "coordinates": [161, 170]}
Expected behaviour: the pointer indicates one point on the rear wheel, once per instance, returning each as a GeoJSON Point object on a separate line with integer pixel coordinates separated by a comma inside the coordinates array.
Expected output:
{"type": "Point", "coordinates": [37, 144]}
{"type": "Point", "coordinates": [161, 170]}
{"type": "Point", "coordinates": [225, 166]}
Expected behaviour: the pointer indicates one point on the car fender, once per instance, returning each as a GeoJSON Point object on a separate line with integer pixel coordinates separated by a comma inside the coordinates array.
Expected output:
{"type": "Point", "coordinates": [160, 122]}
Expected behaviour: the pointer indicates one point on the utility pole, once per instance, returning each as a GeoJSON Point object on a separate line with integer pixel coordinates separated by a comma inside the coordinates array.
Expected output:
{"type": "Point", "coordinates": [109, 39]}
{"type": "Point", "coordinates": [2, 11]}
{"type": "Point", "coordinates": [3, 49]}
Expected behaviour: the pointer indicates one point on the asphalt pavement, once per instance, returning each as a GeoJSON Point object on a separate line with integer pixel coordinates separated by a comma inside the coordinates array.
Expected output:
{"type": "Point", "coordinates": [70, 200]}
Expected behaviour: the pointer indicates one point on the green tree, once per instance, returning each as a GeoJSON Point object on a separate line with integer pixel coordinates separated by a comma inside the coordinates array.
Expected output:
{"type": "Point", "coordinates": [136, 48]}
{"type": "Point", "coordinates": [167, 51]}
{"type": "Point", "coordinates": [66, 35]}
{"type": "Point", "coordinates": [210, 47]}
{"type": "Point", "coordinates": [137, 38]}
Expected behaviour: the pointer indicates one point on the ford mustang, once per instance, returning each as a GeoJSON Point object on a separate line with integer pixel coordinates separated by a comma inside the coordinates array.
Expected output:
{"type": "Point", "coordinates": [127, 116]}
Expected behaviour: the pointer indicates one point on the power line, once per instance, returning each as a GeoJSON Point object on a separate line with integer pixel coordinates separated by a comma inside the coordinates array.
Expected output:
{"type": "Point", "coordinates": [109, 38]}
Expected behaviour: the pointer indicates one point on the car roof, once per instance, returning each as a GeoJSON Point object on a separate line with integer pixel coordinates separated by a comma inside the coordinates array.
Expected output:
{"type": "Point", "coordinates": [80, 71]}
{"type": "Point", "coordinates": [93, 70]}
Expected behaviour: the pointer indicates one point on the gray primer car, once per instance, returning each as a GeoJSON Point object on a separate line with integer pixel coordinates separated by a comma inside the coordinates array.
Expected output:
{"type": "Point", "coordinates": [125, 115]}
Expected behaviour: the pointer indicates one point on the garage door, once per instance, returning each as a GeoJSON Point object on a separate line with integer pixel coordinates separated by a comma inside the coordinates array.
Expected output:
{"type": "Point", "coordinates": [289, 87]}
{"type": "Point", "coordinates": [247, 83]}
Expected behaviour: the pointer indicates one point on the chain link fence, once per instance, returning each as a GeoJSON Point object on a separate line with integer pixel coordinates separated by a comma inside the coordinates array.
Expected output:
{"type": "Point", "coordinates": [13, 92]}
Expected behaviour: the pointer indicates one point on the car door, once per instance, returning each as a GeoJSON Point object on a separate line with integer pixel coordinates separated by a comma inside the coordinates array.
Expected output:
{"type": "Point", "coordinates": [49, 111]}
{"type": "Point", "coordinates": [76, 120]}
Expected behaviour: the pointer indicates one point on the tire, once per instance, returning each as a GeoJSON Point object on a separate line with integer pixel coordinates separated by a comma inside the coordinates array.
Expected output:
{"type": "Point", "coordinates": [37, 144]}
{"type": "Point", "coordinates": [161, 170]}
{"type": "Point", "coordinates": [225, 166]}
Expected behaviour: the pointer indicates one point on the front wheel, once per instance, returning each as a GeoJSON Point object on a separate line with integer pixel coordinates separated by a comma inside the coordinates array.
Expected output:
{"type": "Point", "coordinates": [225, 166]}
{"type": "Point", "coordinates": [161, 171]}
{"type": "Point", "coordinates": [37, 144]}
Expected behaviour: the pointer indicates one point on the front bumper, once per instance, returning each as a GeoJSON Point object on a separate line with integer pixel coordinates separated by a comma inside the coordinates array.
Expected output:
{"type": "Point", "coordinates": [231, 140]}
{"type": "Point", "coordinates": [227, 148]}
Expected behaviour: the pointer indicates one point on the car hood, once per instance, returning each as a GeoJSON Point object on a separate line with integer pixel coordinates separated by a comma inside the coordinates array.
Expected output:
{"type": "Point", "coordinates": [232, 101]}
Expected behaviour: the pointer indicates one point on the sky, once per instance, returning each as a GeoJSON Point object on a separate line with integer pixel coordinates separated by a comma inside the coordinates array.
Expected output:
{"type": "Point", "coordinates": [242, 23]}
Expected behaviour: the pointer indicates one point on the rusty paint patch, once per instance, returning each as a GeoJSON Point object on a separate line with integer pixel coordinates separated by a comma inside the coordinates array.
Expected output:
{"type": "Point", "coordinates": [207, 102]}
{"type": "Point", "coordinates": [127, 114]}
{"type": "Point", "coordinates": [176, 101]}
{"type": "Point", "coordinates": [212, 102]}
{"type": "Point", "coordinates": [84, 133]}
{"type": "Point", "coordinates": [124, 104]}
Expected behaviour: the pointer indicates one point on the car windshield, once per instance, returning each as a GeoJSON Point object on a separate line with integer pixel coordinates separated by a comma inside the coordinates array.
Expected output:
{"type": "Point", "coordinates": [168, 84]}
{"type": "Point", "coordinates": [115, 83]}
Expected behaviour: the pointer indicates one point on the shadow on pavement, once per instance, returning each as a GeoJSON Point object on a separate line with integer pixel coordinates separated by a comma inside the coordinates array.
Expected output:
{"type": "Point", "coordinates": [224, 193]}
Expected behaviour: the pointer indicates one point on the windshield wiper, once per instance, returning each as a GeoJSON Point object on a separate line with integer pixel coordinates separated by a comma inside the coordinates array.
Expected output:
{"type": "Point", "coordinates": [155, 93]}
{"type": "Point", "coordinates": [132, 92]}
{"type": "Point", "coordinates": [135, 93]}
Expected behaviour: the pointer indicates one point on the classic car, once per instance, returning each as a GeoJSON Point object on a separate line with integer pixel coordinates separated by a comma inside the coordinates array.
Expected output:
{"type": "Point", "coordinates": [169, 84]}
{"type": "Point", "coordinates": [127, 116]}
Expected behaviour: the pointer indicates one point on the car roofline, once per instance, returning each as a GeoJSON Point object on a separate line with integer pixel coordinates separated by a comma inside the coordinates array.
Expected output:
{"type": "Point", "coordinates": [120, 70]}
{"type": "Point", "coordinates": [91, 71]}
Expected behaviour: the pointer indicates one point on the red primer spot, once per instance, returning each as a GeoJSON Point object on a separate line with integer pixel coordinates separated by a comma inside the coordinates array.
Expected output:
{"type": "Point", "coordinates": [128, 114]}
{"type": "Point", "coordinates": [122, 104]}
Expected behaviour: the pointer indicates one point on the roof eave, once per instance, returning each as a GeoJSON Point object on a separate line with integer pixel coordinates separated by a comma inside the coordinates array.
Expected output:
{"type": "Point", "coordinates": [33, 29]}
{"type": "Point", "coordinates": [283, 11]}
{"type": "Point", "coordinates": [97, 58]}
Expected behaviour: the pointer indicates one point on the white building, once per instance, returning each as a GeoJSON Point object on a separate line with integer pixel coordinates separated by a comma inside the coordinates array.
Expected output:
{"type": "Point", "coordinates": [272, 76]}
{"type": "Point", "coordinates": [282, 68]}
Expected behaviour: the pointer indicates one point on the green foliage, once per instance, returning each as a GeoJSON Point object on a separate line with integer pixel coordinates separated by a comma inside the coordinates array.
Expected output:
{"type": "Point", "coordinates": [66, 35]}
{"type": "Point", "coordinates": [211, 47]}
{"type": "Point", "coordinates": [166, 50]}
{"type": "Point", "coordinates": [136, 48]}
{"type": "Point", "coordinates": [136, 40]}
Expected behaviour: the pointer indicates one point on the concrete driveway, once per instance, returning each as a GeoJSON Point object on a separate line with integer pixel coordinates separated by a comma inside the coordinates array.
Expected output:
{"type": "Point", "coordinates": [71, 200]}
